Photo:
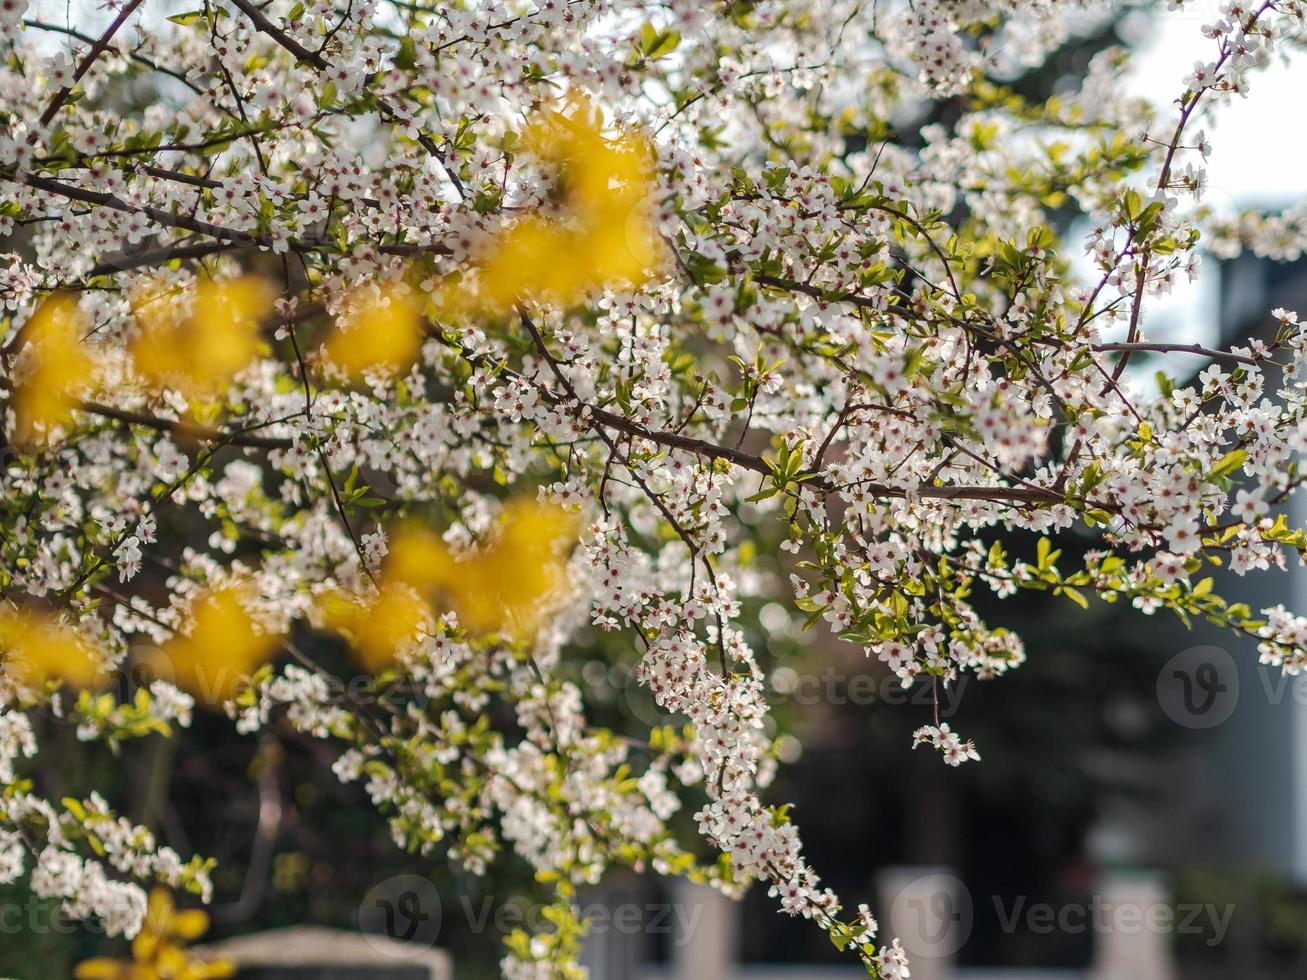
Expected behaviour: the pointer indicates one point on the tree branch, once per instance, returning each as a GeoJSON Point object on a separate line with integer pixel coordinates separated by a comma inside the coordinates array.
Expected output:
{"type": "Point", "coordinates": [97, 49]}
{"type": "Point", "coordinates": [1216, 355]}
{"type": "Point", "coordinates": [185, 429]}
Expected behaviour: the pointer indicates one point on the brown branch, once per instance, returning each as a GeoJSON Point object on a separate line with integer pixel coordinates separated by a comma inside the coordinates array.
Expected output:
{"type": "Point", "coordinates": [831, 296]}
{"type": "Point", "coordinates": [185, 429]}
{"type": "Point", "coordinates": [158, 256]}
{"type": "Point", "coordinates": [315, 59]}
{"type": "Point", "coordinates": [1216, 355]}
{"type": "Point", "coordinates": [757, 464]}
{"type": "Point", "coordinates": [97, 49]}
{"type": "Point", "coordinates": [159, 215]}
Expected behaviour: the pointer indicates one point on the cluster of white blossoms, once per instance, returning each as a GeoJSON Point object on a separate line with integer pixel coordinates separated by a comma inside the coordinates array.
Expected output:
{"type": "Point", "coordinates": [304, 300]}
{"type": "Point", "coordinates": [49, 841]}
{"type": "Point", "coordinates": [1279, 235]}
{"type": "Point", "coordinates": [954, 750]}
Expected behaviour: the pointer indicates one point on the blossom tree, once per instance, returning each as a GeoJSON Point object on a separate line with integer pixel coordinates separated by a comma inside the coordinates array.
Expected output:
{"type": "Point", "coordinates": [459, 331]}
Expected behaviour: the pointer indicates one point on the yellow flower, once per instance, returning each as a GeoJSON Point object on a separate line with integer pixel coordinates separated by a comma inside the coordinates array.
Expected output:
{"type": "Point", "coordinates": [223, 648]}
{"type": "Point", "coordinates": [103, 968]}
{"type": "Point", "coordinates": [157, 951]}
{"type": "Point", "coordinates": [60, 368]}
{"type": "Point", "coordinates": [199, 352]}
{"type": "Point", "coordinates": [380, 330]}
{"type": "Point", "coordinates": [38, 647]}
{"type": "Point", "coordinates": [620, 248]}
{"type": "Point", "coordinates": [510, 584]}
{"type": "Point", "coordinates": [379, 628]}
{"type": "Point", "coordinates": [507, 587]}
{"type": "Point", "coordinates": [513, 583]}
{"type": "Point", "coordinates": [164, 922]}
{"type": "Point", "coordinates": [417, 557]}
{"type": "Point", "coordinates": [605, 235]}
{"type": "Point", "coordinates": [531, 257]}
{"type": "Point", "coordinates": [596, 172]}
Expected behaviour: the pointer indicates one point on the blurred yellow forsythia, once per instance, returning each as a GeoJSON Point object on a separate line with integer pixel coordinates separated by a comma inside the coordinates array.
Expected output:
{"type": "Point", "coordinates": [196, 341]}
{"type": "Point", "coordinates": [222, 647]}
{"type": "Point", "coordinates": [603, 236]}
{"type": "Point", "coordinates": [606, 235]}
{"type": "Point", "coordinates": [158, 951]}
{"type": "Point", "coordinates": [198, 347]}
{"type": "Point", "coordinates": [506, 587]}
{"type": "Point", "coordinates": [38, 647]}
{"type": "Point", "coordinates": [379, 329]}
{"type": "Point", "coordinates": [57, 367]}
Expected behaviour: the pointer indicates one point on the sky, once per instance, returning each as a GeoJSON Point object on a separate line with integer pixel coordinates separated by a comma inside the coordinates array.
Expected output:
{"type": "Point", "coordinates": [1250, 135]}
{"type": "Point", "coordinates": [1259, 150]}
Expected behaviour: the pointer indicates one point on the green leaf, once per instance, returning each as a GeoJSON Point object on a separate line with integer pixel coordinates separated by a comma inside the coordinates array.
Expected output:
{"type": "Point", "coordinates": [1132, 204]}
{"type": "Point", "coordinates": [1043, 554]}
{"type": "Point", "coordinates": [1075, 596]}
{"type": "Point", "coordinates": [997, 558]}
{"type": "Point", "coordinates": [655, 43]}
{"type": "Point", "coordinates": [1230, 462]}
